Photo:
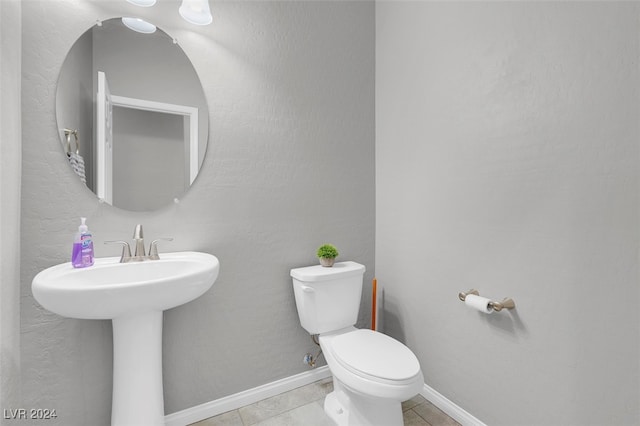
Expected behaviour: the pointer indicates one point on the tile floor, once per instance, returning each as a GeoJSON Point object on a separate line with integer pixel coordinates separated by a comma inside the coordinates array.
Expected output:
{"type": "Point", "coordinates": [303, 407]}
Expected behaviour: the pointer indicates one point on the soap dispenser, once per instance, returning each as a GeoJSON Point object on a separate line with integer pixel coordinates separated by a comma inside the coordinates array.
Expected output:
{"type": "Point", "coordinates": [82, 253]}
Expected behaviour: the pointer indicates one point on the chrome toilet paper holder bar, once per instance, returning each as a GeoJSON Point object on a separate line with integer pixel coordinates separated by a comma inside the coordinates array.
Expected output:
{"type": "Point", "coordinates": [507, 302]}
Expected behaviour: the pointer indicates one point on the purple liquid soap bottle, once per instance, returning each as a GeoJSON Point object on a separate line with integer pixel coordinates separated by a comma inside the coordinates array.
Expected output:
{"type": "Point", "coordinates": [82, 254]}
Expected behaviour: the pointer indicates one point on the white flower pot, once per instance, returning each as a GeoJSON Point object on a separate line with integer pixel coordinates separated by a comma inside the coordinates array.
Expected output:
{"type": "Point", "coordinates": [327, 261]}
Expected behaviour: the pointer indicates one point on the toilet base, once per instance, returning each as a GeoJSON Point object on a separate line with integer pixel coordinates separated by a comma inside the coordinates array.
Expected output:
{"type": "Point", "coordinates": [348, 408]}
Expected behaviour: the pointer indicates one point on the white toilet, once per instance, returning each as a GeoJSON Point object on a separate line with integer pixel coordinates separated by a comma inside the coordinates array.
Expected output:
{"type": "Point", "coordinates": [372, 372]}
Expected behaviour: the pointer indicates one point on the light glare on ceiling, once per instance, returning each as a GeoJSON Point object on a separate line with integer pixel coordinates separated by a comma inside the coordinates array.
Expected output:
{"type": "Point", "coordinates": [143, 3]}
{"type": "Point", "coordinates": [193, 11]}
{"type": "Point", "coordinates": [139, 25]}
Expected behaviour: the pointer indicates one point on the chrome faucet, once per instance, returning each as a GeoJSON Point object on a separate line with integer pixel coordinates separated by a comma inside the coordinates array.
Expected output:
{"type": "Point", "coordinates": [138, 237]}
{"type": "Point", "coordinates": [139, 253]}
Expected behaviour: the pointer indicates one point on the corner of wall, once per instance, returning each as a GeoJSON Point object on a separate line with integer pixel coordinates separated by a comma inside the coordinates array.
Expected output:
{"type": "Point", "coordinates": [10, 159]}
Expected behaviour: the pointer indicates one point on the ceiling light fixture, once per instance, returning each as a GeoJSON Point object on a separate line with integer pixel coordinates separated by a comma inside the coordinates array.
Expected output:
{"type": "Point", "coordinates": [143, 3]}
{"type": "Point", "coordinates": [196, 12]}
{"type": "Point", "coordinates": [139, 25]}
{"type": "Point", "coordinates": [193, 11]}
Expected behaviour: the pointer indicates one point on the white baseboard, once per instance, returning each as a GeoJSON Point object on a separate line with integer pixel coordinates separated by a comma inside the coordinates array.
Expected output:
{"type": "Point", "coordinates": [240, 399]}
{"type": "Point", "coordinates": [450, 408]}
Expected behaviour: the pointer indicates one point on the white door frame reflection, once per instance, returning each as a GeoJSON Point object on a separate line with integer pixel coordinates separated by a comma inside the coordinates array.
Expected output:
{"type": "Point", "coordinates": [106, 101]}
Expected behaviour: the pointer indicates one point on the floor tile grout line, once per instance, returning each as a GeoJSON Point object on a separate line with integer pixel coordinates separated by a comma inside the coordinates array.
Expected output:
{"type": "Point", "coordinates": [314, 401]}
{"type": "Point", "coordinates": [418, 414]}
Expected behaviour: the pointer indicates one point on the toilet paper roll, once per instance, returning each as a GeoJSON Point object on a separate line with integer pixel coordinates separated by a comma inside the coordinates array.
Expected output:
{"type": "Point", "coordinates": [478, 303]}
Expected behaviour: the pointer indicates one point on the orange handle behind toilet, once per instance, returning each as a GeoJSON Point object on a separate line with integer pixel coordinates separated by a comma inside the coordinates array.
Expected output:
{"type": "Point", "coordinates": [374, 298]}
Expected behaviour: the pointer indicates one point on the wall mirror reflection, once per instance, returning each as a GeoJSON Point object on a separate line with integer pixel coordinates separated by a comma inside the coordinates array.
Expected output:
{"type": "Point", "coordinates": [132, 116]}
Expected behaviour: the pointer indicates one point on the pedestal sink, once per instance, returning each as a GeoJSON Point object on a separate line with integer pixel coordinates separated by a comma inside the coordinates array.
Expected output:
{"type": "Point", "coordinates": [133, 296]}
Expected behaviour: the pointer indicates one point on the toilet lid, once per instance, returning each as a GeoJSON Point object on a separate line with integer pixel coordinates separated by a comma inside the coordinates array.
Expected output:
{"type": "Point", "coordinates": [375, 354]}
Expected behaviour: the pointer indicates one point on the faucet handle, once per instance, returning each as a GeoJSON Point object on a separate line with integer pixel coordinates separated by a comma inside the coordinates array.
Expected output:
{"type": "Point", "coordinates": [153, 248]}
{"type": "Point", "coordinates": [126, 250]}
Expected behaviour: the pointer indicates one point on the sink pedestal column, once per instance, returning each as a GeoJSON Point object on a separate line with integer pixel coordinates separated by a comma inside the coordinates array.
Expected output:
{"type": "Point", "coordinates": [137, 370]}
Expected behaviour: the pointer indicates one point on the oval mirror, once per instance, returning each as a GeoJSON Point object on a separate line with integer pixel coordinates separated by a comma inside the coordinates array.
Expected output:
{"type": "Point", "coordinates": [132, 116]}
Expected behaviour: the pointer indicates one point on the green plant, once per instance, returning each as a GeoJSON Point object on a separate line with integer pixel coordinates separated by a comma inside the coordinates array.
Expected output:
{"type": "Point", "coordinates": [327, 251]}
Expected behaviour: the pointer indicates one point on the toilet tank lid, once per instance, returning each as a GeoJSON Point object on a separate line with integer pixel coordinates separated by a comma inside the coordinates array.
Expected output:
{"type": "Point", "coordinates": [321, 273]}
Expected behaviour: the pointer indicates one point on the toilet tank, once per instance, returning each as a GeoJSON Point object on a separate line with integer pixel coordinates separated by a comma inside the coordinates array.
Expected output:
{"type": "Point", "coordinates": [328, 298]}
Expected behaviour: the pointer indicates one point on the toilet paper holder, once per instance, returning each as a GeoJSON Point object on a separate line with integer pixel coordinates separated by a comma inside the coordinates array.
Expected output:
{"type": "Point", "coordinates": [507, 302]}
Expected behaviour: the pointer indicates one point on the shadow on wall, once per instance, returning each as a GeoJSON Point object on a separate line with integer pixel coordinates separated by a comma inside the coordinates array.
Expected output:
{"type": "Point", "coordinates": [391, 319]}
{"type": "Point", "coordinates": [507, 321]}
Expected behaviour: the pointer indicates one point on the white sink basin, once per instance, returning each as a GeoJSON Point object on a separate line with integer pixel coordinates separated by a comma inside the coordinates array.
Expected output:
{"type": "Point", "coordinates": [110, 289]}
{"type": "Point", "coordinates": [133, 295]}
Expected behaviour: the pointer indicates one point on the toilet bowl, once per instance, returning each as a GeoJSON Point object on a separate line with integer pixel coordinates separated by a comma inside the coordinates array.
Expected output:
{"type": "Point", "coordinates": [372, 372]}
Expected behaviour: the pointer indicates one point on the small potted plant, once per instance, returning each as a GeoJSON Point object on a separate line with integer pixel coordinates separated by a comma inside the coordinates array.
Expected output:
{"type": "Point", "coordinates": [327, 254]}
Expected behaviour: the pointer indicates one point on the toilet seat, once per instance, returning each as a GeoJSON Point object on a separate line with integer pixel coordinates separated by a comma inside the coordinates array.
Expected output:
{"type": "Point", "coordinates": [375, 356]}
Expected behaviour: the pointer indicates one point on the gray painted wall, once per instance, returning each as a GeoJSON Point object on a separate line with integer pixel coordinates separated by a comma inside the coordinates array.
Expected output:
{"type": "Point", "coordinates": [10, 155]}
{"type": "Point", "coordinates": [507, 161]}
{"type": "Point", "coordinates": [290, 166]}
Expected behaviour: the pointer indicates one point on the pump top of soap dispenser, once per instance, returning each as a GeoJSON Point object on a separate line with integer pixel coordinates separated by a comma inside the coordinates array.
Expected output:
{"type": "Point", "coordinates": [83, 226]}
